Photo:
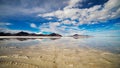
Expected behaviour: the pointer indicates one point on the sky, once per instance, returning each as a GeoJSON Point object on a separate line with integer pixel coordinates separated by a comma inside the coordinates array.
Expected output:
{"type": "Point", "coordinates": [65, 17]}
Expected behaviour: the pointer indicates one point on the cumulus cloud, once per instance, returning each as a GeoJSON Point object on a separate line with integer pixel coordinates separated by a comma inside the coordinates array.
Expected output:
{"type": "Point", "coordinates": [95, 14]}
{"type": "Point", "coordinates": [68, 13]}
{"type": "Point", "coordinates": [25, 7]}
{"type": "Point", "coordinates": [72, 3]}
{"type": "Point", "coordinates": [57, 27]}
{"type": "Point", "coordinates": [33, 25]}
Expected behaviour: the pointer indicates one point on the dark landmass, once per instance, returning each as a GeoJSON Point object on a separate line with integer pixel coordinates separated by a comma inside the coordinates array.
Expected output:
{"type": "Point", "coordinates": [80, 35]}
{"type": "Point", "coordinates": [77, 36]}
{"type": "Point", "coordinates": [28, 34]}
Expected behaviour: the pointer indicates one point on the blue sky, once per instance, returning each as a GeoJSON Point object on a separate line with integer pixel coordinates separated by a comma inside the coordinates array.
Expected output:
{"type": "Point", "coordinates": [66, 17]}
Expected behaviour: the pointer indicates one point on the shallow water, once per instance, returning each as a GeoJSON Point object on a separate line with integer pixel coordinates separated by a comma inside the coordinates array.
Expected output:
{"type": "Point", "coordinates": [64, 52]}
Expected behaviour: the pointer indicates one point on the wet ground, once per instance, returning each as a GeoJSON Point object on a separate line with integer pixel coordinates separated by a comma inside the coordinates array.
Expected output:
{"type": "Point", "coordinates": [64, 52]}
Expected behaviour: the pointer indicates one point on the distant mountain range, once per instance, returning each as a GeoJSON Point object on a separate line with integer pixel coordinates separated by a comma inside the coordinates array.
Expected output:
{"type": "Point", "coordinates": [76, 36]}
{"type": "Point", "coordinates": [28, 34]}
{"type": "Point", "coordinates": [34, 34]}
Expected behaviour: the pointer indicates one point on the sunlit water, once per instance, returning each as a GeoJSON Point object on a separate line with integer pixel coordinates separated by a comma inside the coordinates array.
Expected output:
{"type": "Point", "coordinates": [64, 52]}
{"type": "Point", "coordinates": [111, 44]}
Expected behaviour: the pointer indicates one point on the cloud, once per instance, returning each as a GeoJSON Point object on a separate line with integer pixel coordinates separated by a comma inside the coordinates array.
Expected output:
{"type": "Point", "coordinates": [73, 3]}
{"type": "Point", "coordinates": [5, 24]}
{"type": "Point", "coordinates": [57, 27]}
{"type": "Point", "coordinates": [98, 13]}
{"type": "Point", "coordinates": [6, 30]}
{"type": "Point", "coordinates": [107, 33]}
{"type": "Point", "coordinates": [66, 15]}
{"type": "Point", "coordinates": [27, 7]}
{"type": "Point", "coordinates": [93, 15]}
{"type": "Point", "coordinates": [33, 25]}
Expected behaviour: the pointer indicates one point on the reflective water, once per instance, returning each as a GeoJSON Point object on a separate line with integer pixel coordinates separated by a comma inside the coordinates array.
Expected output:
{"type": "Point", "coordinates": [88, 51]}
{"type": "Point", "coordinates": [111, 44]}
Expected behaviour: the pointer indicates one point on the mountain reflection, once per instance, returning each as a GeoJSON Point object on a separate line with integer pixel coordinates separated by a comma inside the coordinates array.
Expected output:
{"type": "Point", "coordinates": [25, 39]}
{"type": "Point", "coordinates": [67, 49]}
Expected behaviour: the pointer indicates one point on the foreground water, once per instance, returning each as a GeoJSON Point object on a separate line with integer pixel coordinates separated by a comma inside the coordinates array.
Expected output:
{"type": "Point", "coordinates": [64, 52]}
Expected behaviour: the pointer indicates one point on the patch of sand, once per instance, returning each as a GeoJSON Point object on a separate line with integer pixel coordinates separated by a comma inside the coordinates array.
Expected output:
{"type": "Point", "coordinates": [54, 57]}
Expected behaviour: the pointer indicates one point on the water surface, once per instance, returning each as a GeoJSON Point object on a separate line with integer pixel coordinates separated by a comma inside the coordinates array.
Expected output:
{"type": "Point", "coordinates": [64, 52]}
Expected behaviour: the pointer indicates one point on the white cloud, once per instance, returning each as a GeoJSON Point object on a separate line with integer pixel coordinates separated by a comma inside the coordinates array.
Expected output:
{"type": "Point", "coordinates": [111, 10]}
{"type": "Point", "coordinates": [29, 7]}
{"type": "Point", "coordinates": [6, 30]}
{"type": "Point", "coordinates": [107, 33]}
{"type": "Point", "coordinates": [4, 24]}
{"type": "Point", "coordinates": [96, 14]}
{"type": "Point", "coordinates": [66, 22]}
{"type": "Point", "coordinates": [56, 27]}
{"type": "Point", "coordinates": [49, 18]}
{"type": "Point", "coordinates": [50, 27]}
{"type": "Point", "coordinates": [33, 25]}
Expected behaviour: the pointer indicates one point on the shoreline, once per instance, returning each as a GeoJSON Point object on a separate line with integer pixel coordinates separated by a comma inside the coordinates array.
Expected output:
{"type": "Point", "coordinates": [30, 37]}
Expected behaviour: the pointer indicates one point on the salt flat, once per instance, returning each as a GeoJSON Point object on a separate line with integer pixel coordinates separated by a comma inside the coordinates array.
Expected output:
{"type": "Point", "coordinates": [57, 53]}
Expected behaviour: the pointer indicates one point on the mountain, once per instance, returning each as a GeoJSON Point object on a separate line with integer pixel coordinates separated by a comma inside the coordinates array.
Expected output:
{"type": "Point", "coordinates": [28, 34]}
{"type": "Point", "coordinates": [79, 35]}
{"type": "Point", "coordinates": [22, 34]}
{"type": "Point", "coordinates": [5, 34]}
{"type": "Point", "coordinates": [76, 36]}
{"type": "Point", "coordinates": [55, 34]}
